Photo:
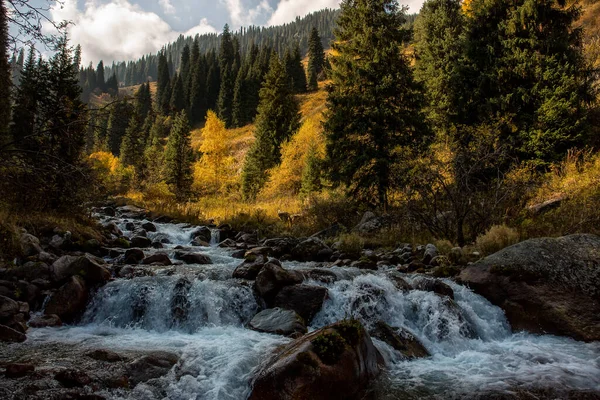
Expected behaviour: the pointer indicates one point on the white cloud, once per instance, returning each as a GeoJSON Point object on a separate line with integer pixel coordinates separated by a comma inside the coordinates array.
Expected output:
{"type": "Point", "coordinates": [288, 10]}
{"type": "Point", "coordinates": [243, 15]}
{"type": "Point", "coordinates": [201, 28]}
{"type": "Point", "coordinates": [167, 6]}
{"type": "Point", "coordinates": [118, 30]}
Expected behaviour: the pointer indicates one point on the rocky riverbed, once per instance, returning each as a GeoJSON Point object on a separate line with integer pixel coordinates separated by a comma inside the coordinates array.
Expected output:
{"type": "Point", "coordinates": [164, 310]}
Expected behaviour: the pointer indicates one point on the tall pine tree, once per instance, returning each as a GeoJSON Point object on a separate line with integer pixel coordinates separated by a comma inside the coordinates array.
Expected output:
{"type": "Point", "coordinates": [5, 79]}
{"type": "Point", "coordinates": [179, 157]}
{"type": "Point", "coordinates": [374, 105]}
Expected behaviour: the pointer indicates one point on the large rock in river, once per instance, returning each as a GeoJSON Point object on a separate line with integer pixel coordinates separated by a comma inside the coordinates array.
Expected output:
{"type": "Point", "coordinates": [69, 301]}
{"type": "Point", "coordinates": [306, 300]}
{"type": "Point", "coordinates": [545, 285]}
{"type": "Point", "coordinates": [279, 321]}
{"type": "Point", "coordinates": [90, 268]}
{"type": "Point", "coordinates": [336, 362]}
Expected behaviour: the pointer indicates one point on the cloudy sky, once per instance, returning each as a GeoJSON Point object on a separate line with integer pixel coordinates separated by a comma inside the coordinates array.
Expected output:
{"type": "Point", "coordinates": [127, 29]}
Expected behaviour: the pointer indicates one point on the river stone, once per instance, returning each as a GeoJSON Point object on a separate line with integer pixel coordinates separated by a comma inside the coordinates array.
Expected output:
{"type": "Point", "coordinates": [43, 321]}
{"type": "Point", "coordinates": [430, 253]}
{"type": "Point", "coordinates": [281, 246]}
{"type": "Point", "coordinates": [228, 244]}
{"type": "Point", "coordinates": [312, 249]}
{"type": "Point", "coordinates": [8, 307]}
{"type": "Point", "coordinates": [30, 245]}
{"type": "Point", "coordinates": [30, 270]}
{"type": "Point", "coordinates": [71, 378]}
{"type": "Point", "coordinates": [197, 242]}
{"type": "Point", "coordinates": [141, 242]}
{"type": "Point", "coordinates": [69, 301]}
{"type": "Point", "coordinates": [111, 227]}
{"type": "Point", "coordinates": [104, 355]}
{"type": "Point", "coordinates": [133, 256]}
{"type": "Point", "coordinates": [90, 268]}
{"type": "Point", "coordinates": [306, 300]}
{"type": "Point", "coordinates": [433, 285]}
{"type": "Point", "coordinates": [192, 258]}
{"type": "Point", "coordinates": [400, 339]}
{"type": "Point", "coordinates": [203, 233]}
{"type": "Point", "coordinates": [132, 212]}
{"type": "Point", "coordinates": [320, 274]}
{"type": "Point", "coordinates": [17, 370]}
{"type": "Point", "coordinates": [151, 366]}
{"type": "Point", "coordinates": [544, 285]}
{"type": "Point", "coordinates": [272, 278]}
{"type": "Point", "coordinates": [279, 321]}
{"type": "Point", "coordinates": [250, 268]}
{"type": "Point", "coordinates": [149, 227]}
{"type": "Point", "coordinates": [10, 335]}
{"type": "Point", "coordinates": [296, 372]}
{"type": "Point", "coordinates": [157, 258]}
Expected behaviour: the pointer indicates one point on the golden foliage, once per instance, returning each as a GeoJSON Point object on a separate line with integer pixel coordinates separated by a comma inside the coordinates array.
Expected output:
{"type": "Point", "coordinates": [497, 238]}
{"type": "Point", "coordinates": [215, 171]}
{"type": "Point", "coordinates": [286, 178]}
{"type": "Point", "coordinates": [110, 172]}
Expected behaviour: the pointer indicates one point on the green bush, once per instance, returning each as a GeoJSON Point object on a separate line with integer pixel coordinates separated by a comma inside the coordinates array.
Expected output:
{"type": "Point", "coordinates": [329, 346]}
{"type": "Point", "coordinates": [350, 330]}
{"type": "Point", "coordinates": [497, 238]}
{"type": "Point", "coordinates": [351, 243]}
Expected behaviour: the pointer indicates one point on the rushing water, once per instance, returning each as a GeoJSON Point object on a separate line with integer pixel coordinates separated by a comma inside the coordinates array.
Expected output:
{"type": "Point", "coordinates": [199, 312]}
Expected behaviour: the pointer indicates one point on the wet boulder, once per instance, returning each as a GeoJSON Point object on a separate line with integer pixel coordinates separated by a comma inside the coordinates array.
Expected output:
{"type": "Point", "coordinates": [192, 258]}
{"type": "Point", "coordinates": [71, 378]}
{"type": "Point", "coordinates": [203, 233]}
{"type": "Point", "coordinates": [90, 268]}
{"type": "Point", "coordinates": [151, 366]}
{"type": "Point", "coordinates": [544, 285]}
{"type": "Point", "coordinates": [312, 249]}
{"type": "Point", "coordinates": [104, 355]}
{"type": "Point", "coordinates": [133, 256]}
{"type": "Point", "coordinates": [281, 246]}
{"type": "Point", "coordinates": [371, 223]}
{"type": "Point", "coordinates": [228, 244]}
{"type": "Point", "coordinates": [132, 212]}
{"type": "Point", "coordinates": [320, 274]}
{"type": "Point", "coordinates": [335, 362]}
{"type": "Point", "coordinates": [45, 320]}
{"type": "Point", "coordinates": [157, 258]}
{"type": "Point", "coordinates": [435, 286]}
{"type": "Point", "coordinates": [69, 301]}
{"type": "Point", "coordinates": [141, 242]}
{"type": "Point", "coordinates": [10, 335]}
{"type": "Point", "coordinates": [18, 370]}
{"type": "Point", "coordinates": [250, 268]}
{"type": "Point", "coordinates": [149, 227]}
{"type": "Point", "coordinates": [197, 242]}
{"type": "Point", "coordinates": [279, 321]}
{"type": "Point", "coordinates": [272, 278]}
{"type": "Point", "coordinates": [429, 254]}
{"type": "Point", "coordinates": [112, 228]}
{"type": "Point", "coordinates": [8, 307]}
{"type": "Point", "coordinates": [400, 339]}
{"type": "Point", "coordinates": [399, 281]}
{"type": "Point", "coordinates": [306, 300]}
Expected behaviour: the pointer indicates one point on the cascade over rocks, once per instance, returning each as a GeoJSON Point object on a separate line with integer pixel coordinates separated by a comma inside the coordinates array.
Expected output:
{"type": "Point", "coordinates": [544, 285]}
{"type": "Point", "coordinates": [151, 366]}
{"type": "Point", "coordinates": [433, 285]}
{"type": "Point", "coordinates": [400, 339]}
{"type": "Point", "coordinates": [133, 256]}
{"type": "Point", "coordinates": [297, 371]}
{"type": "Point", "coordinates": [279, 321]}
{"type": "Point", "coordinates": [157, 258]}
{"type": "Point", "coordinates": [306, 300]}
{"type": "Point", "coordinates": [203, 233]}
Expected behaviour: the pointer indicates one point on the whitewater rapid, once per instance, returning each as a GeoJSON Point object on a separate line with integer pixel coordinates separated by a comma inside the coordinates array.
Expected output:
{"type": "Point", "coordinates": [472, 347]}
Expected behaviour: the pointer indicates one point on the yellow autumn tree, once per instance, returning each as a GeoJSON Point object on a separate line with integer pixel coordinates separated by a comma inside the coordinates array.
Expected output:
{"type": "Point", "coordinates": [114, 176]}
{"type": "Point", "coordinates": [286, 178]}
{"type": "Point", "coordinates": [215, 171]}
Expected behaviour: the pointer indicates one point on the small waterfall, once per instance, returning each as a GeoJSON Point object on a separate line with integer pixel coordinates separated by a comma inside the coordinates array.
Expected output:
{"type": "Point", "coordinates": [163, 303]}
{"type": "Point", "coordinates": [215, 237]}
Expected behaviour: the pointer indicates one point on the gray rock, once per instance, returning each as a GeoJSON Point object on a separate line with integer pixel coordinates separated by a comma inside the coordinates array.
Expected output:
{"type": "Point", "coordinates": [371, 223]}
{"type": "Point", "coordinates": [192, 258]}
{"type": "Point", "coordinates": [157, 258]}
{"type": "Point", "coordinates": [400, 339]}
{"type": "Point", "coordinates": [10, 335]}
{"type": "Point", "coordinates": [429, 254]}
{"type": "Point", "coordinates": [272, 278]}
{"type": "Point", "coordinates": [133, 256]}
{"type": "Point", "coordinates": [250, 268]}
{"type": "Point", "coordinates": [306, 300]}
{"type": "Point", "coordinates": [8, 307]}
{"type": "Point", "coordinates": [149, 227]}
{"type": "Point", "coordinates": [141, 242]}
{"type": "Point", "coordinates": [203, 233]}
{"type": "Point", "coordinates": [69, 301]}
{"type": "Point", "coordinates": [544, 285]}
{"type": "Point", "coordinates": [279, 321]}
{"type": "Point", "coordinates": [90, 268]}
{"type": "Point", "coordinates": [152, 366]}
{"type": "Point", "coordinates": [43, 321]}
{"type": "Point", "coordinates": [312, 249]}
{"type": "Point", "coordinates": [433, 285]}
{"type": "Point", "coordinates": [30, 245]}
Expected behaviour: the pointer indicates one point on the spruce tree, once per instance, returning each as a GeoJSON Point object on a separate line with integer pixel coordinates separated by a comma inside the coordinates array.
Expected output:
{"type": "Point", "coordinates": [143, 101]}
{"type": "Point", "coordinates": [184, 73]}
{"type": "Point", "coordinates": [226, 98]}
{"type": "Point", "coordinates": [5, 79]}
{"type": "Point", "coordinates": [178, 96]}
{"type": "Point", "coordinates": [278, 119]}
{"type": "Point", "coordinates": [163, 88]}
{"type": "Point", "coordinates": [118, 122]}
{"type": "Point", "coordinates": [198, 92]}
{"type": "Point", "coordinates": [296, 70]}
{"type": "Point", "coordinates": [374, 104]}
{"type": "Point", "coordinates": [179, 157]}
{"type": "Point", "coordinates": [316, 55]}
{"type": "Point", "coordinates": [100, 76]}
{"type": "Point", "coordinates": [311, 174]}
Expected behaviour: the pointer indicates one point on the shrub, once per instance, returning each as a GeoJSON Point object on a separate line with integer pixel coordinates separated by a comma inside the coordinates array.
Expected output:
{"type": "Point", "coordinates": [443, 246]}
{"type": "Point", "coordinates": [329, 346]}
{"type": "Point", "coordinates": [350, 330]}
{"type": "Point", "coordinates": [496, 238]}
{"type": "Point", "coordinates": [351, 243]}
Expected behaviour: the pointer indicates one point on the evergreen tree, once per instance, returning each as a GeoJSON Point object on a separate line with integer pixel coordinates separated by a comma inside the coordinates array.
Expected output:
{"type": "Point", "coordinates": [163, 88]}
{"type": "Point", "coordinates": [178, 96]}
{"type": "Point", "coordinates": [179, 157]}
{"type": "Point", "coordinates": [278, 118]}
{"type": "Point", "coordinates": [313, 83]}
{"type": "Point", "coordinates": [212, 82]}
{"type": "Point", "coordinates": [100, 77]}
{"type": "Point", "coordinates": [295, 70]}
{"type": "Point", "coordinates": [184, 74]}
{"type": "Point", "coordinates": [226, 98]}
{"type": "Point", "coordinates": [118, 121]}
{"type": "Point", "coordinates": [311, 174]}
{"type": "Point", "coordinates": [5, 79]}
{"type": "Point", "coordinates": [143, 101]}
{"type": "Point", "coordinates": [198, 92]}
{"type": "Point", "coordinates": [374, 105]}
{"type": "Point", "coordinates": [316, 55]}
{"type": "Point", "coordinates": [112, 85]}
